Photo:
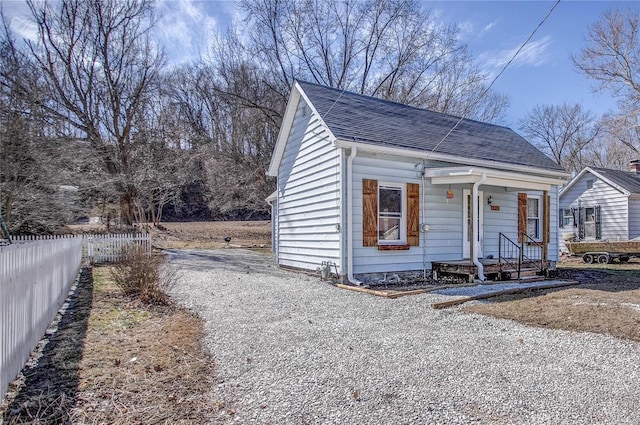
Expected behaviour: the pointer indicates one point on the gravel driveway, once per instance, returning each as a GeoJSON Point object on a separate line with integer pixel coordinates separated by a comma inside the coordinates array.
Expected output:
{"type": "Point", "coordinates": [291, 349]}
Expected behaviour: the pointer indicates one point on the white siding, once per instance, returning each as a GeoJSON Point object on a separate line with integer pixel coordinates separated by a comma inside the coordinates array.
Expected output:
{"type": "Point", "coordinates": [614, 205]}
{"type": "Point", "coordinates": [503, 221]}
{"type": "Point", "coordinates": [634, 218]}
{"type": "Point", "coordinates": [308, 205]}
{"type": "Point", "coordinates": [444, 216]}
{"type": "Point", "coordinates": [388, 170]}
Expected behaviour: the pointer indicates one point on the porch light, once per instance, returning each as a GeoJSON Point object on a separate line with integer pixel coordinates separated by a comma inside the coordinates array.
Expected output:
{"type": "Point", "coordinates": [489, 200]}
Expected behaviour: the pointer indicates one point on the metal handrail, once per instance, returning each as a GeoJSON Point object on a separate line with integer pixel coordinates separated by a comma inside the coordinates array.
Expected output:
{"type": "Point", "coordinates": [532, 251]}
{"type": "Point", "coordinates": [508, 250]}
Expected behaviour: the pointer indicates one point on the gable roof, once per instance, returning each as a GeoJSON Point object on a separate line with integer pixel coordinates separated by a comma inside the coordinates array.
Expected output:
{"type": "Point", "coordinates": [626, 179]}
{"type": "Point", "coordinates": [369, 120]}
{"type": "Point", "coordinates": [627, 182]}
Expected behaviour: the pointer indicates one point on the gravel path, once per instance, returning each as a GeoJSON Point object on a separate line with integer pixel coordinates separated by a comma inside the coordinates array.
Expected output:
{"type": "Point", "coordinates": [291, 349]}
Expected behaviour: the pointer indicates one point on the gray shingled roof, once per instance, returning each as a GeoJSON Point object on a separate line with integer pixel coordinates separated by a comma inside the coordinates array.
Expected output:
{"type": "Point", "coordinates": [369, 120]}
{"type": "Point", "coordinates": [626, 179]}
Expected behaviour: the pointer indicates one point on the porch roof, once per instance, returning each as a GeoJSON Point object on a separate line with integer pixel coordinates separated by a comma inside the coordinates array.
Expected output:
{"type": "Point", "coordinates": [507, 179]}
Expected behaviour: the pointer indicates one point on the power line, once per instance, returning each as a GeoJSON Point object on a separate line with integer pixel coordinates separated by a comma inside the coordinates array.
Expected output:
{"type": "Point", "coordinates": [484, 93]}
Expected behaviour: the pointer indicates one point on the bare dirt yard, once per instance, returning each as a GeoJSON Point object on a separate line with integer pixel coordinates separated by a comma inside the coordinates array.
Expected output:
{"type": "Point", "coordinates": [607, 301]}
{"type": "Point", "coordinates": [211, 235]}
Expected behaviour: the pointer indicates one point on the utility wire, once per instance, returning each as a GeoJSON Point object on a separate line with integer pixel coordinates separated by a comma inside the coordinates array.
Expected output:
{"type": "Point", "coordinates": [504, 68]}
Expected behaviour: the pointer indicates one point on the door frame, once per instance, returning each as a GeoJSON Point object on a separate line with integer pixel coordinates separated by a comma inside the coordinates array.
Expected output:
{"type": "Point", "coordinates": [466, 248]}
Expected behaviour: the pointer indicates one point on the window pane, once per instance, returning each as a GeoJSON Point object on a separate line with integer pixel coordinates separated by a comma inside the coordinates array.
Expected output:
{"type": "Point", "coordinates": [532, 207]}
{"type": "Point", "coordinates": [390, 200]}
{"type": "Point", "coordinates": [532, 228]}
{"type": "Point", "coordinates": [590, 214]}
{"type": "Point", "coordinates": [389, 229]}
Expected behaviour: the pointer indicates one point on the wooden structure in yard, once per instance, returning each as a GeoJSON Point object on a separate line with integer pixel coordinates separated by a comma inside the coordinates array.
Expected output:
{"type": "Point", "coordinates": [604, 252]}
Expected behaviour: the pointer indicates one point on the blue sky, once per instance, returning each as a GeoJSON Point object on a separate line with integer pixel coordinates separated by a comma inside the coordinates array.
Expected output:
{"type": "Point", "coordinates": [543, 74]}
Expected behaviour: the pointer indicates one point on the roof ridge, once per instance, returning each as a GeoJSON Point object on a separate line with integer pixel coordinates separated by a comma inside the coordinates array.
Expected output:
{"type": "Point", "coordinates": [404, 105]}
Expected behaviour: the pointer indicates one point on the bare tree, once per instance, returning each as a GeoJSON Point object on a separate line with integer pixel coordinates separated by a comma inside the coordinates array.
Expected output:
{"type": "Point", "coordinates": [40, 187]}
{"type": "Point", "coordinates": [563, 132]}
{"type": "Point", "coordinates": [392, 49]}
{"type": "Point", "coordinates": [98, 67]}
{"type": "Point", "coordinates": [612, 56]}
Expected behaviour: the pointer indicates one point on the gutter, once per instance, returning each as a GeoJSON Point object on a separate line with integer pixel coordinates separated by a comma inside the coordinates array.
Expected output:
{"type": "Point", "coordinates": [435, 156]}
{"type": "Point", "coordinates": [350, 278]}
{"type": "Point", "coordinates": [475, 221]}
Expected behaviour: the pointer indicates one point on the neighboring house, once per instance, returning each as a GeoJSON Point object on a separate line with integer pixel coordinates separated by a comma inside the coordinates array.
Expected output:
{"type": "Point", "coordinates": [602, 204]}
{"type": "Point", "coordinates": [366, 185]}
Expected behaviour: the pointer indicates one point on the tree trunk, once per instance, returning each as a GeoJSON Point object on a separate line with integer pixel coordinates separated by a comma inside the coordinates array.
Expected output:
{"type": "Point", "coordinates": [127, 209]}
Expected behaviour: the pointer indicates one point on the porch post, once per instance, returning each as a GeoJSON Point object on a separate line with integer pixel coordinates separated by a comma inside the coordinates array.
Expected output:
{"type": "Point", "coordinates": [470, 212]}
{"type": "Point", "coordinates": [546, 219]}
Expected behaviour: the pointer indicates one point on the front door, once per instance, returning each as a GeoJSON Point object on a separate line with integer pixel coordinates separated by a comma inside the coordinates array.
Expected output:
{"type": "Point", "coordinates": [467, 224]}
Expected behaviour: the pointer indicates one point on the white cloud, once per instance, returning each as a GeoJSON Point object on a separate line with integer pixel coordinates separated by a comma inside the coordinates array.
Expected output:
{"type": "Point", "coordinates": [186, 26]}
{"type": "Point", "coordinates": [23, 27]}
{"type": "Point", "coordinates": [535, 53]}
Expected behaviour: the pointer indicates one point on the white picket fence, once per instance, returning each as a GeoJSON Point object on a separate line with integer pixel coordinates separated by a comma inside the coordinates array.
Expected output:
{"type": "Point", "coordinates": [34, 281]}
{"type": "Point", "coordinates": [98, 249]}
{"type": "Point", "coordinates": [36, 274]}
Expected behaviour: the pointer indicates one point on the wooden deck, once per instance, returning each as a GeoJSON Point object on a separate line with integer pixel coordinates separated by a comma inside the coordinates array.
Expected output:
{"type": "Point", "coordinates": [493, 269]}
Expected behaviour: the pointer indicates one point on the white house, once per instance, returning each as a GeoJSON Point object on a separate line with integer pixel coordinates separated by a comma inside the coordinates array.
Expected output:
{"type": "Point", "coordinates": [365, 186]}
{"type": "Point", "coordinates": [602, 204]}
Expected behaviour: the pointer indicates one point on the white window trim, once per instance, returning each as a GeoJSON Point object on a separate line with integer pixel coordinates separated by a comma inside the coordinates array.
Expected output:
{"type": "Point", "coordinates": [403, 210]}
{"type": "Point", "coordinates": [539, 217]}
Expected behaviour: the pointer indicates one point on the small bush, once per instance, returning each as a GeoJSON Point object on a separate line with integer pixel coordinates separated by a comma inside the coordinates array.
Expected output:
{"type": "Point", "coordinates": [143, 277]}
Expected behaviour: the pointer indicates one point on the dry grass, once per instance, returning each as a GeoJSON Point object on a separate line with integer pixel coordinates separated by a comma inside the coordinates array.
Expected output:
{"type": "Point", "coordinates": [210, 235]}
{"type": "Point", "coordinates": [142, 364]}
{"type": "Point", "coordinates": [144, 278]}
{"type": "Point", "coordinates": [124, 362]}
{"type": "Point", "coordinates": [607, 301]}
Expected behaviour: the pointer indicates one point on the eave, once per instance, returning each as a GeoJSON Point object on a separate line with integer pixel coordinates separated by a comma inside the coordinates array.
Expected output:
{"type": "Point", "coordinates": [556, 175]}
{"type": "Point", "coordinates": [492, 177]}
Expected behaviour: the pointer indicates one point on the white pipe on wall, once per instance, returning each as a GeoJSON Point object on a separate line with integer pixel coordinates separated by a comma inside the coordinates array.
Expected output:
{"type": "Point", "coordinates": [352, 155]}
{"type": "Point", "coordinates": [476, 212]}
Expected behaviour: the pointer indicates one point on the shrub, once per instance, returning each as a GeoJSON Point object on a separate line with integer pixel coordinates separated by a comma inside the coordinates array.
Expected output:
{"type": "Point", "coordinates": [143, 277]}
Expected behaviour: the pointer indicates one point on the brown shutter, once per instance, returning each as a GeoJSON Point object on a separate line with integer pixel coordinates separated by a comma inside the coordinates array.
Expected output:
{"type": "Point", "coordinates": [522, 216]}
{"type": "Point", "coordinates": [546, 218]}
{"type": "Point", "coordinates": [369, 212]}
{"type": "Point", "coordinates": [413, 214]}
{"type": "Point", "coordinates": [546, 224]}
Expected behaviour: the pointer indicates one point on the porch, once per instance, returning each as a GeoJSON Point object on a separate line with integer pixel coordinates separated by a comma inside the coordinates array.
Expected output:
{"type": "Point", "coordinates": [526, 260]}
{"type": "Point", "coordinates": [494, 269]}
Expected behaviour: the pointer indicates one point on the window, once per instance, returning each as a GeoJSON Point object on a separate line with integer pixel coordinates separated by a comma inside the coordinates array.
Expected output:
{"type": "Point", "coordinates": [533, 217]}
{"type": "Point", "coordinates": [566, 218]}
{"type": "Point", "coordinates": [590, 223]}
{"type": "Point", "coordinates": [589, 184]}
{"type": "Point", "coordinates": [390, 214]}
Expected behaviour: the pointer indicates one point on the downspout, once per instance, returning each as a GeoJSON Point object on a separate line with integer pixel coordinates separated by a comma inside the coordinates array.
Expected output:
{"type": "Point", "coordinates": [273, 228]}
{"type": "Point", "coordinates": [423, 224]}
{"type": "Point", "coordinates": [352, 155]}
{"type": "Point", "coordinates": [340, 226]}
{"type": "Point", "coordinates": [476, 223]}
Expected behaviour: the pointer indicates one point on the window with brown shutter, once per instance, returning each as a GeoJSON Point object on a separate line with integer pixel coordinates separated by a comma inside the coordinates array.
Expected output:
{"type": "Point", "coordinates": [381, 224]}
{"type": "Point", "coordinates": [534, 217]}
